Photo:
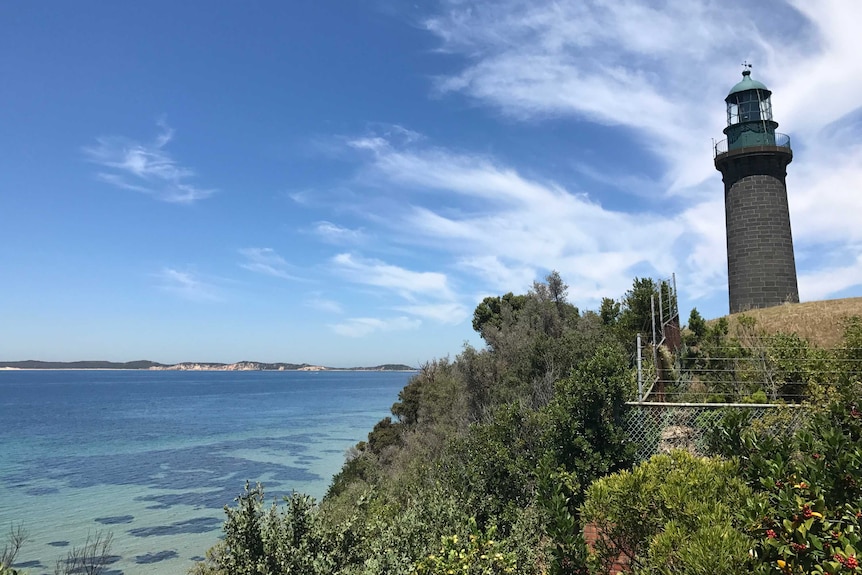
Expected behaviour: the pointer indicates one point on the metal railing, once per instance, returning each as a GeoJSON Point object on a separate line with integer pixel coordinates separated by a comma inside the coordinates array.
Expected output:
{"type": "Point", "coordinates": [780, 141]}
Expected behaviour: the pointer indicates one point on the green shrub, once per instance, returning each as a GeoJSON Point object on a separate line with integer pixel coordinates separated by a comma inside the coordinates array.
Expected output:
{"type": "Point", "coordinates": [490, 469]}
{"type": "Point", "coordinates": [811, 517]}
{"type": "Point", "coordinates": [556, 491]}
{"type": "Point", "coordinates": [476, 554]}
{"type": "Point", "coordinates": [288, 539]}
{"type": "Point", "coordinates": [584, 425]}
{"type": "Point", "coordinates": [672, 514]}
{"type": "Point", "coordinates": [400, 529]}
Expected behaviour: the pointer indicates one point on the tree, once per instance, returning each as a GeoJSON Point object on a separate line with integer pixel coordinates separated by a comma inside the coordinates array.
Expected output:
{"type": "Point", "coordinates": [637, 306]}
{"type": "Point", "coordinates": [557, 290]}
{"type": "Point", "coordinates": [696, 324]}
{"type": "Point", "coordinates": [14, 540]}
{"type": "Point", "coordinates": [385, 434]}
{"type": "Point", "coordinates": [90, 559]}
{"type": "Point", "coordinates": [609, 311]}
{"type": "Point", "coordinates": [493, 311]}
{"type": "Point", "coordinates": [548, 305]}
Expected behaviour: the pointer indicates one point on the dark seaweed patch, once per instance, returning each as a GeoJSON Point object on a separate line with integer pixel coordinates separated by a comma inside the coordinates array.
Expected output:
{"type": "Point", "coordinates": [115, 519]}
{"type": "Point", "coordinates": [42, 491]}
{"type": "Point", "coordinates": [155, 557]}
{"type": "Point", "coordinates": [213, 469]}
{"type": "Point", "coordinates": [194, 499]}
{"type": "Point", "coordinates": [196, 525]}
{"type": "Point", "coordinates": [28, 564]}
{"type": "Point", "coordinates": [107, 560]}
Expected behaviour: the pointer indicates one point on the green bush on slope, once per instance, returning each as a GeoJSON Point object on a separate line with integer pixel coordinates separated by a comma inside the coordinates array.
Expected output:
{"type": "Point", "coordinates": [502, 444]}
{"type": "Point", "coordinates": [675, 513]}
{"type": "Point", "coordinates": [810, 517]}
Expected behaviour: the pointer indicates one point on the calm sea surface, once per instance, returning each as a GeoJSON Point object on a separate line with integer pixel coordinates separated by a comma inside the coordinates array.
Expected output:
{"type": "Point", "coordinates": [153, 456]}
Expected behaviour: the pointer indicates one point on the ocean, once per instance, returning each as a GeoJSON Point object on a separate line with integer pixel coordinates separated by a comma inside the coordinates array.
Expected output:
{"type": "Point", "coordinates": [152, 457]}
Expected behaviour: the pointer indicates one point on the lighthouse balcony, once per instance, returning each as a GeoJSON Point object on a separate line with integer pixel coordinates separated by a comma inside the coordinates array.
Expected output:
{"type": "Point", "coordinates": [762, 142]}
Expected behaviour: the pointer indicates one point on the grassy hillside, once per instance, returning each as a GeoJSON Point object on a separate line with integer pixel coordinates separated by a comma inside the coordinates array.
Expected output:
{"type": "Point", "coordinates": [819, 322]}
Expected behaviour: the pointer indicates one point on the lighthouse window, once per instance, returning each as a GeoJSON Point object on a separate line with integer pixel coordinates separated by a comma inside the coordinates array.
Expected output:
{"type": "Point", "coordinates": [766, 109]}
{"type": "Point", "coordinates": [749, 106]}
{"type": "Point", "coordinates": [732, 114]}
{"type": "Point", "coordinates": [749, 111]}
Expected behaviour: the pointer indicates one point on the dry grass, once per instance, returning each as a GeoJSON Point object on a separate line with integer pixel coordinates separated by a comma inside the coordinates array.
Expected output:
{"type": "Point", "coordinates": [819, 322]}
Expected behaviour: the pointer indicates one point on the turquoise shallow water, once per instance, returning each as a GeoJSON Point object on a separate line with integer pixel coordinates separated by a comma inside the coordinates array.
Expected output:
{"type": "Point", "coordinates": [153, 456]}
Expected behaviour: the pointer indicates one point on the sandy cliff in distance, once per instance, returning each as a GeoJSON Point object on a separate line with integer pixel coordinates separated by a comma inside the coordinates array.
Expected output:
{"type": "Point", "coordinates": [238, 366]}
{"type": "Point", "coordinates": [259, 366]}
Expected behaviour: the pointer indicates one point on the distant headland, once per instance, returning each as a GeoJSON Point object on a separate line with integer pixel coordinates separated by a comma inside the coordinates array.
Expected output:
{"type": "Point", "coordinates": [193, 366]}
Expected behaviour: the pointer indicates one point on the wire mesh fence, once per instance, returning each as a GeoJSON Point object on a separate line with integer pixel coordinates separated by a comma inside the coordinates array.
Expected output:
{"type": "Point", "coordinates": [783, 375]}
{"type": "Point", "coordinates": [687, 386]}
{"type": "Point", "coordinates": [659, 427]}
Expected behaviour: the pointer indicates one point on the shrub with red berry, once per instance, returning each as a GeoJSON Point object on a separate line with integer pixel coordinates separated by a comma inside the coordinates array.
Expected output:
{"type": "Point", "coordinates": [807, 514]}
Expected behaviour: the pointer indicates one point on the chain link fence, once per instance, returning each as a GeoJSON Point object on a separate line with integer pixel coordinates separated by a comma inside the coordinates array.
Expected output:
{"type": "Point", "coordinates": [659, 427]}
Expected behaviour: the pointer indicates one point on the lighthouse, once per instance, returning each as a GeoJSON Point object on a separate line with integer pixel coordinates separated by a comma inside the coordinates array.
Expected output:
{"type": "Point", "coordinates": [753, 159]}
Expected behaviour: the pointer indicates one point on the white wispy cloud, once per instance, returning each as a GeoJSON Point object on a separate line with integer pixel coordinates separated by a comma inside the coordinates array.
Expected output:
{"type": "Point", "coordinates": [406, 283]}
{"type": "Point", "coordinates": [428, 295]}
{"type": "Point", "coordinates": [364, 326]}
{"type": "Point", "coordinates": [499, 275]}
{"type": "Point", "coordinates": [524, 227]}
{"type": "Point", "coordinates": [301, 197]}
{"type": "Point", "coordinates": [659, 70]}
{"type": "Point", "coordinates": [451, 313]}
{"type": "Point", "coordinates": [265, 261]}
{"type": "Point", "coordinates": [336, 234]}
{"type": "Point", "coordinates": [145, 168]}
{"type": "Point", "coordinates": [815, 286]}
{"type": "Point", "coordinates": [471, 175]}
{"type": "Point", "coordinates": [318, 302]}
{"type": "Point", "coordinates": [623, 63]}
{"type": "Point", "coordinates": [187, 285]}
{"type": "Point", "coordinates": [703, 247]}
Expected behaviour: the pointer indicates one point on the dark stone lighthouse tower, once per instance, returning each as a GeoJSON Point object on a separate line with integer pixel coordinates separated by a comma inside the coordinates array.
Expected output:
{"type": "Point", "coordinates": [761, 270]}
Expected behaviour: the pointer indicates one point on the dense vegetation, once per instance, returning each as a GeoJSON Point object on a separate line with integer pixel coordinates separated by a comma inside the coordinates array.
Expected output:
{"type": "Point", "coordinates": [494, 461]}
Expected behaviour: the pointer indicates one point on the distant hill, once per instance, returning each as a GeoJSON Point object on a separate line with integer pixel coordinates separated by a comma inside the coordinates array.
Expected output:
{"type": "Point", "coordinates": [819, 322]}
{"type": "Point", "coordinates": [192, 366]}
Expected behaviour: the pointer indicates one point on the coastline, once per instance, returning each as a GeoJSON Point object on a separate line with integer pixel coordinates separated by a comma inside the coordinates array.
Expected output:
{"type": "Point", "coordinates": [328, 369]}
{"type": "Point", "coordinates": [32, 365]}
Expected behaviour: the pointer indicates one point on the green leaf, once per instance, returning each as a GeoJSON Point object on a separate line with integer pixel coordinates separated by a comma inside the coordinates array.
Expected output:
{"type": "Point", "coordinates": [816, 543]}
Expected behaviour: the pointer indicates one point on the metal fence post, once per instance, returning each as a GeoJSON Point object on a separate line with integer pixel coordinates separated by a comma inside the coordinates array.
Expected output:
{"type": "Point", "coordinates": [640, 372]}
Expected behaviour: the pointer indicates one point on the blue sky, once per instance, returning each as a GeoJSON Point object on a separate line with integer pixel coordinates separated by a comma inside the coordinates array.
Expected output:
{"type": "Point", "coordinates": [341, 182]}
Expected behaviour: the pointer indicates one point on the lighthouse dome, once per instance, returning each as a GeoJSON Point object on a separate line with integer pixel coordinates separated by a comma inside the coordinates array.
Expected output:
{"type": "Point", "coordinates": [747, 84]}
